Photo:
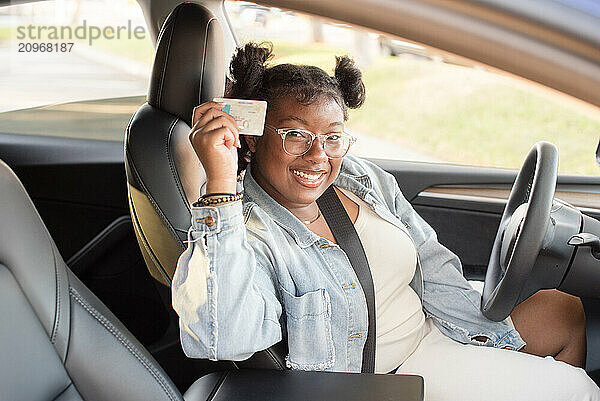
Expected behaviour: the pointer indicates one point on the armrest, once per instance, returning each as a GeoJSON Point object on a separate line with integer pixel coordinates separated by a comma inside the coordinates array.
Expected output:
{"type": "Point", "coordinates": [293, 385]}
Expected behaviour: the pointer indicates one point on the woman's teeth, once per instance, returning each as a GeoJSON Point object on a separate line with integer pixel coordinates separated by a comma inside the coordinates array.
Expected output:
{"type": "Point", "coordinates": [311, 177]}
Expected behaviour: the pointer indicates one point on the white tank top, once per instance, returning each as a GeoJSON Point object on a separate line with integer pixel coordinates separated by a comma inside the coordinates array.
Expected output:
{"type": "Point", "coordinates": [392, 258]}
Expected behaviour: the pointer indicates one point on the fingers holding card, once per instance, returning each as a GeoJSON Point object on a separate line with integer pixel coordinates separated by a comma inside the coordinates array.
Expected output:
{"type": "Point", "coordinates": [248, 114]}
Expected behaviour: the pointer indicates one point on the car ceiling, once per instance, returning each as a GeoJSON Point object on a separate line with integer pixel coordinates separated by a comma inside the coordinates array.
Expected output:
{"type": "Point", "coordinates": [559, 48]}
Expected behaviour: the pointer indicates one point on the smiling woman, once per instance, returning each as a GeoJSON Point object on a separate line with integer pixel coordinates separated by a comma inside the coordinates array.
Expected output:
{"type": "Point", "coordinates": [271, 268]}
{"type": "Point", "coordinates": [102, 147]}
{"type": "Point", "coordinates": [293, 93]}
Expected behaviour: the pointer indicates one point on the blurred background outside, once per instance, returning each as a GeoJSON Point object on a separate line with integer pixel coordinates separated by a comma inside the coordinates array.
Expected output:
{"type": "Point", "coordinates": [421, 105]}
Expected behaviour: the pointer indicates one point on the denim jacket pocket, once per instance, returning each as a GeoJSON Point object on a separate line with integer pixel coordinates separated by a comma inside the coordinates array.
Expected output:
{"type": "Point", "coordinates": [309, 336]}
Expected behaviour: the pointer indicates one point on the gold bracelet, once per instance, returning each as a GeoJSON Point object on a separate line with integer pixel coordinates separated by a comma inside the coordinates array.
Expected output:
{"type": "Point", "coordinates": [220, 200]}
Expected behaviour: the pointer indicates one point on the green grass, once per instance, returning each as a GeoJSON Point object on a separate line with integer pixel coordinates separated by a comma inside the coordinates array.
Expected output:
{"type": "Point", "coordinates": [466, 116]}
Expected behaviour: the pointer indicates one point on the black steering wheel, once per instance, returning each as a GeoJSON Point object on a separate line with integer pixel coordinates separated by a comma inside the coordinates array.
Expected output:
{"type": "Point", "coordinates": [521, 232]}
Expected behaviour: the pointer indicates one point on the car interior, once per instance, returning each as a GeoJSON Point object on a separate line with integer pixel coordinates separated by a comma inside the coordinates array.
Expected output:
{"type": "Point", "coordinates": [91, 235]}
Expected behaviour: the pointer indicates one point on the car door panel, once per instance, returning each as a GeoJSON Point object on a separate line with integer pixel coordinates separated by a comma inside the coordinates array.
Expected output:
{"type": "Point", "coordinates": [464, 203]}
{"type": "Point", "coordinates": [74, 183]}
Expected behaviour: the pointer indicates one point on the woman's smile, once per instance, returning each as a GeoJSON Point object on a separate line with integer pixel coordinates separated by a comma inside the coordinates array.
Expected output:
{"type": "Point", "coordinates": [309, 178]}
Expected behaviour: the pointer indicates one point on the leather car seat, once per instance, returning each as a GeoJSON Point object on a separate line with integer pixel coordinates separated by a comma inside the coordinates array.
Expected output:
{"type": "Point", "coordinates": [163, 171]}
{"type": "Point", "coordinates": [57, 340]}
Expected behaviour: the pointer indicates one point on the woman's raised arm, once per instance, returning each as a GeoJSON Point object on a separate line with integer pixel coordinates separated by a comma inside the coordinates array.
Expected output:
{"type": "Point", "coordinates": [223, 290]}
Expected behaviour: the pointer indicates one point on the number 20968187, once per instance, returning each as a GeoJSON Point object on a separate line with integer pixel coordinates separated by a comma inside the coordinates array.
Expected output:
{"type": "Point", "coordinates": [45, 47]}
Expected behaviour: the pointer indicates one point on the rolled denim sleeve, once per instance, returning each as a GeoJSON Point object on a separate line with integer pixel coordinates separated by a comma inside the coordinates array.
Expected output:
{"type": "Point", "coordinates": [223, 290]}
{"type": "Point", "coordinates": [448, 297]}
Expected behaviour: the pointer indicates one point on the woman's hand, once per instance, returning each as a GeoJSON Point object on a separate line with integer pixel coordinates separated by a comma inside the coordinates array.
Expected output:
{"type": "Point", "coordinates": [215, 138]}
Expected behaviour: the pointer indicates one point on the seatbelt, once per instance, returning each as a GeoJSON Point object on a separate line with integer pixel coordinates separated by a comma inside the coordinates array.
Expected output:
{"type": "Point", "coordinates": [347, 238]}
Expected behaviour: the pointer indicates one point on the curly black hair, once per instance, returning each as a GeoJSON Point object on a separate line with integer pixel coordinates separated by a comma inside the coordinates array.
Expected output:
{"type": "Point", "coordinates": [252, 78]}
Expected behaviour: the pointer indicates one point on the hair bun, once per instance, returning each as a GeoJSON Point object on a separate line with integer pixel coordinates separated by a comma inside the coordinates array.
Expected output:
{"type": "Point", "coordinates": [349, 79]}
{"type": "Point", "coordinates": [247, 67]}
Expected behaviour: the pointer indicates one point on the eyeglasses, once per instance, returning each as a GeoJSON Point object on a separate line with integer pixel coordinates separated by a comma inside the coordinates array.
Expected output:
{"type": "Point", "coordinates": [297, 142]}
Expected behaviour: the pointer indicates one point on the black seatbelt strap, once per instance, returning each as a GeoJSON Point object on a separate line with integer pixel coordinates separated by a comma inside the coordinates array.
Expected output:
{"type": "Point", "coordinates": [347, 238]}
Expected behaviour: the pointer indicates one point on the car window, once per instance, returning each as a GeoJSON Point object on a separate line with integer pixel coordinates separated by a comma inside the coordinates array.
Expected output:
{"type": "Point", "coordinates": [425, 105]}
{"type": "Point", "coordinates": [76, 68]}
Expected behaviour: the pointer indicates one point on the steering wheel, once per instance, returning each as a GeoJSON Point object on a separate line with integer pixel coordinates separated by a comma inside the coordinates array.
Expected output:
{"type": "Point", "coordinates": [521, 232]}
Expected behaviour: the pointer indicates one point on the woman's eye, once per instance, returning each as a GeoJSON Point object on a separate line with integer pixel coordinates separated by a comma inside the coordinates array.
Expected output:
{"type": "Point", "coordinates": [296, 135]}
{"type": "Point", "coordinates": [334, 138]}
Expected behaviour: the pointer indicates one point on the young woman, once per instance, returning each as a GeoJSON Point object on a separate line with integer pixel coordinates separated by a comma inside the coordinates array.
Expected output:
{"type": "Point", "coordinates": [267, 266]}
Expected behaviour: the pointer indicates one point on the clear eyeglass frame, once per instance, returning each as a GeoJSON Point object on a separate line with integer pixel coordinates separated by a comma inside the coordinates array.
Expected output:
{"type": "Point", "coordinates": [283, 132]}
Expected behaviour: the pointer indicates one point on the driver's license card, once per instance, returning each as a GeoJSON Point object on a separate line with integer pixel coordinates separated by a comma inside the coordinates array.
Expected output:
{"type": "Point", "coordinates": [249, 114]}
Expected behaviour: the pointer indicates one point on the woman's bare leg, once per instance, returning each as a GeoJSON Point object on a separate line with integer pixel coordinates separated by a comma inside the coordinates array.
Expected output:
{"type": "Point", "coordinates": [552, 323]}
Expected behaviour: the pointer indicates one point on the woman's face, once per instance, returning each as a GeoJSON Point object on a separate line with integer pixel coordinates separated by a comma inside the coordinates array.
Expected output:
{"type": "Point", "coordinates": [280, 174]}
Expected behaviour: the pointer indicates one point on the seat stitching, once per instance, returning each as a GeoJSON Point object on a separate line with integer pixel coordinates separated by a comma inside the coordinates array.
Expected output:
{"type": "Point", "coordinates": [114, 331]}
{"type": "Point", "coordinates": [270, 354]}
{"type": "Point", "coordinates": [135, 221]}
{"type": "Point", "coordinates": [147, 247]}
{"type": "Point", "coordinates": [204, 47]}
{"type": "Point", "coordinates": [164, 71]}
{"type": "Point", "coordinates": [154, 204]}
{"type": "Point", "coordinates": [172, 166]}
{"type": "Point", "coordinates": [128, 129]}
{"type": "Point", "coordinates": [64, 391]}
{"type": "Point", "coordinates": [151, 199]}
{"type": "Point", "coordinates": [110, 327]}
{"type": "Point", "coordinates": [57, 303]}
{"type": "Point", "coordinates": [217, 387]}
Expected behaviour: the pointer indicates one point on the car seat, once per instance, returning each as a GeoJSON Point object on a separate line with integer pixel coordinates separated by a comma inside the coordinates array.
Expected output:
{"type": "Point", "coordinates": [163, 172]}
{"type": "Point", "coordinates": [57, 340]}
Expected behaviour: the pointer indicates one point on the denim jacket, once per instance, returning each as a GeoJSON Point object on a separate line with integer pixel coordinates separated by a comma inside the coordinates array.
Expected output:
{"type": "Point", "coordinates": [266, 277]}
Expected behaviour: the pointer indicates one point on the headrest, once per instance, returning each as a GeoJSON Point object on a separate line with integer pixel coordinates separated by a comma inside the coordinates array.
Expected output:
{"type": "Point", "coordinates": [189, 66]}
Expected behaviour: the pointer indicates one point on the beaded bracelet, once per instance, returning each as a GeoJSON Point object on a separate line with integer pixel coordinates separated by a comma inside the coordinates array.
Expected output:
{"type": "Point", "coordinates": [204, 201]}
{"type": "Point", "coordinates": [216, 194]}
